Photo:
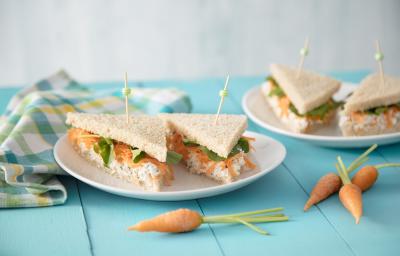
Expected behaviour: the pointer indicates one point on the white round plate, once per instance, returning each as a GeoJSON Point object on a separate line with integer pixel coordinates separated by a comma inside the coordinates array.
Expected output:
{"type": "Point", "coordinates": [268, 154]}
{"type": "Point", "coordinates": [258, 110]}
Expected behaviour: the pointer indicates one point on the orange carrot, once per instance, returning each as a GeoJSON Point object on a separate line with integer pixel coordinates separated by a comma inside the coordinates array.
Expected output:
{"type": "Point", "coordinates": [185, 220]}
{"type": "Point", "coordinates": [367, 176]}
{"type": "Point", "coordinates": [326, 186]}
{"type": "Point", "coordinates": [350, 195]}
{"type": "Point", "coordinates": [181, 220]}
{"type": "Point", "coordinates": [331, 183]}
{"type": "Point", "coordinates": [351, 198]}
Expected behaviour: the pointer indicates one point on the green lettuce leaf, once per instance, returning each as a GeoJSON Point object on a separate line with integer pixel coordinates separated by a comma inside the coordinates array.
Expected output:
{"type": "Point", "coordinates": [137, 155]}
{"type": "Point", "coordinates": [212, 155]}
{"type": "Point", "coordinates": [189, 143]}
{"type": "Point", "coordinates": [320, 111]}
{"type": "Point", "coordinates": [276, 90]}
{"type": "Point", "coordinates": [241, 146]}
{"type": "Point", "coordinates": [105, 148]}
{"type": "Point", "coordinates": [173, 157]}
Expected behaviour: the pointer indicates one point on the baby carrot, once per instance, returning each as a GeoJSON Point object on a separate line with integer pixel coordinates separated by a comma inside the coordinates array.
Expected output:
{"type": "Point", "coordinates": [181, 220]}
{"type": "Point", "coordinates": [349, 194]}
{"type": "Point", "coordinates": [185, 220]}
{"type": "Point", "coordinates": [367, 176]}
{"type": "Point", "coordinates": [326, 186]}
{"type": "Point", "coordinates": [331, 182]}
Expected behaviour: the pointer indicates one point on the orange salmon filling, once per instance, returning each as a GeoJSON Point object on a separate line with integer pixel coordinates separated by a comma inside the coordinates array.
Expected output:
{"type": "Point", "coordinates": [122, 152]}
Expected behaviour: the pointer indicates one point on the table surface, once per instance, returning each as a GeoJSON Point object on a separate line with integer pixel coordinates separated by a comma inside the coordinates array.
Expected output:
{"type": "Point", "coordinates": [93, 222]}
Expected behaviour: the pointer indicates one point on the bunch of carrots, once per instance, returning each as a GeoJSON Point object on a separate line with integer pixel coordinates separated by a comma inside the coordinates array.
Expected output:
{"type": "Point", "coordinates": [350, 190]}
{"type": "Point", "coordinates": [185, 220]}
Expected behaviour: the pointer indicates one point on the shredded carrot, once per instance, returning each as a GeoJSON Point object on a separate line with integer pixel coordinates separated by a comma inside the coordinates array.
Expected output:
{"type": "Point", "coordinates": [388, 118]}
{"type": "Point", "coordinates": [77, 136]}
{"type": "Point", "coordinates": [284, 103]}
{"type": "Point", "coordinates": [211, 168]}
{"type": "Point", "coordinates": [357, 117]}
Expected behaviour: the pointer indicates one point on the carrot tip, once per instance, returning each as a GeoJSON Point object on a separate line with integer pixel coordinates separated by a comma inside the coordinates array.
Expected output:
{"type": "Point", "coordinates": [357, 220]}
{"type": "Point", "coordinates": [132, 228]}
{"type": "Point", "coordinates": [308, 205]}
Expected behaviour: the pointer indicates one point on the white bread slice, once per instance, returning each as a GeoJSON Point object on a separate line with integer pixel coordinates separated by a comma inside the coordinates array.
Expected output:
{"type": "Point", "coordinates": [307, 92]}
{"type": "Point", "coordinates": [371, 93]}
{"type": "Point", "coordinates": [144, 132]}
{"type": "Point", "coordinates": [220, 137]}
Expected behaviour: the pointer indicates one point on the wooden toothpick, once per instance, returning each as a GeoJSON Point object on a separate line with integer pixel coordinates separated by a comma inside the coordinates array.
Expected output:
{"type": "Point", "coordinates": [223, 93]}
{"type": "Point", "coordinates": [379, 58]}
{"type": "Point", "coordinates": [126, 92]}
{"type": "Point", "coordinates": [303, 54]}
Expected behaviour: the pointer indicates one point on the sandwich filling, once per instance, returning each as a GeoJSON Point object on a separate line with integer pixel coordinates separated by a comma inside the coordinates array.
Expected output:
{"type": "Point", "coordinates": [201, 160]}
{"type": "Point", "coordinates": [288, 113]}
{"type": "Point", "coordinates": [122, 160]}
{"type": "Point", "coordinates": [371, 121]}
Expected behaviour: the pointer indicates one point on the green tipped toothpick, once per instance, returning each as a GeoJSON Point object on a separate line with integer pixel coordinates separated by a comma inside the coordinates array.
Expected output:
{"type": "Point", "coordinates": [379, 58]}
{"type": "Point", "coordinates": [126, 91]}
{"type": "Point", "coordinates": [223, 93]}
{"type": "Point", "coordinates": [303, 54]}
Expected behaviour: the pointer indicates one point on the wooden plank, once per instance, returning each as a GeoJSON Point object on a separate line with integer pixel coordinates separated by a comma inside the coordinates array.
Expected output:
{"type": "Point", "coordinates": [108, 217]}
{"type": "Point", "coordinates": [56, 230]}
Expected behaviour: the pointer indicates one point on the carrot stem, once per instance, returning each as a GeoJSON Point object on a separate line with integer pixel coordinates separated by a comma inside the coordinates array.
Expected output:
{"type": "Point", "coordinates": [342, 171]}
{"type": "Point", "coordinates": [251, 226]}
{"type": "Point", "coordinates": [278, 209]}
{"type": "Point", "coordinates": [379, 166]}
{"type": "Point", "coordinates": [259, 219]}
{"type": "Point", "coordinates": [354, 167]}
{"type": "Point", "coordinates": [363, 155]}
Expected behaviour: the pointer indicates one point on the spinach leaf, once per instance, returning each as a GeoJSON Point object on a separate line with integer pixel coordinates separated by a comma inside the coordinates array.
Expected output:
{"type": "Point", "coordinates": [173, 157]}
{"type": "Point", "coordinates": [241, 146]}
{"type": "Point", "coordinates": [276, 91]}
{"type": "Point", "coordinates": [189, 143]}
{"type": "Point", "coordinates": [320, 111]}
{"type": "Point", "coordinates": [105, 147]}
{"type": "Point", "coordinates": [137, 155]}
{"type": "Point", "coordinates": [212, 155]}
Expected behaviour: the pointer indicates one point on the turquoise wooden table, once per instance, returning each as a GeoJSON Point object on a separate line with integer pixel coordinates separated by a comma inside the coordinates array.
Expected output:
{"type": "Point", "coordinates": [93, 222]}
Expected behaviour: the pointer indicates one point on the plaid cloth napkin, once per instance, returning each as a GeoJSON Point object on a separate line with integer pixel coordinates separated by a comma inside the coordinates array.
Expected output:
{"type": "Point", "coordinates": [34, 120]}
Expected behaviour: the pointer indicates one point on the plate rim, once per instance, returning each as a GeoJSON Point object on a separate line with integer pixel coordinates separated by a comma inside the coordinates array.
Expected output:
{"type": "Point", "coordinates": [165, 195]}
{"type": "Point", "coordinates": [307, 137]}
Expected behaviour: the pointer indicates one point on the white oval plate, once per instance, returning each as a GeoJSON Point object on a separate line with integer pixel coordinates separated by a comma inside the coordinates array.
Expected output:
{"type": "Point", "coordinates": [258, 110]}
{"type": "Point", "coordinates": [268, 154]}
